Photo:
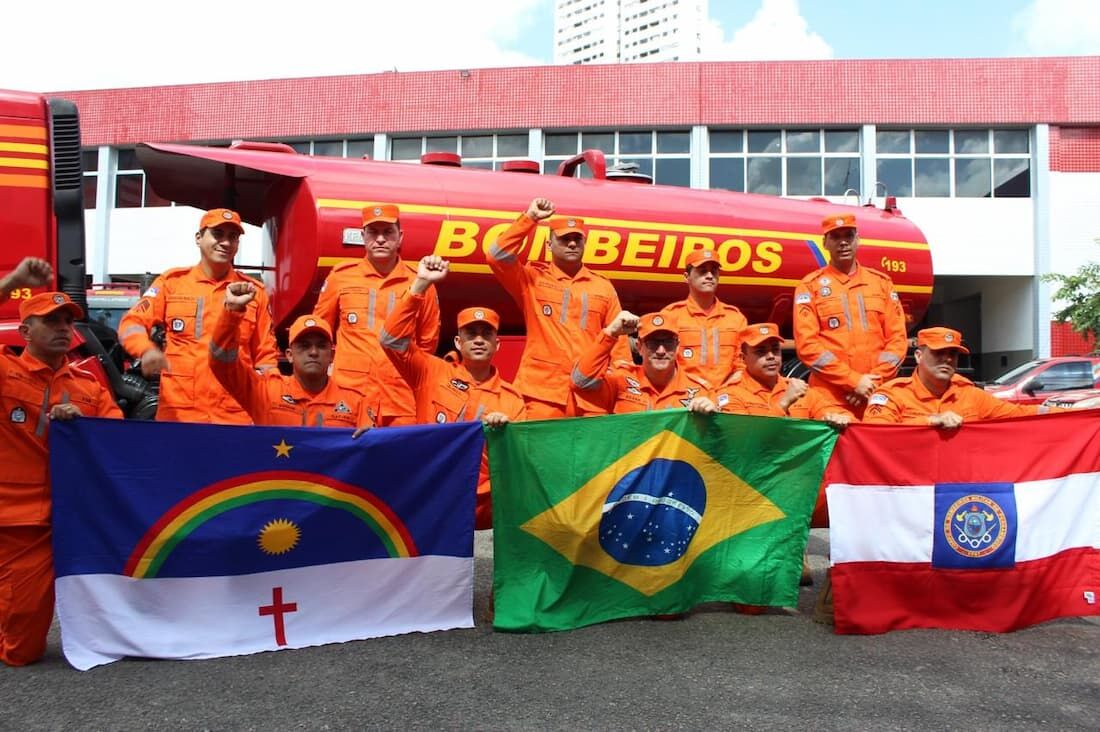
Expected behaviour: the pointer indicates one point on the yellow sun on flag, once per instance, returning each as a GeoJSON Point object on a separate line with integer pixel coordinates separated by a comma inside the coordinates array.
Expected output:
{"type": "Point", "coordinates": [278, 536]}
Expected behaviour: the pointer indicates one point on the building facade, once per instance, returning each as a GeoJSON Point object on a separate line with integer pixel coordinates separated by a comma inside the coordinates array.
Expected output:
{"type": "Point", "coordinates": [996, 160]}
{"type": "Point", "coordinates": [624, 31]}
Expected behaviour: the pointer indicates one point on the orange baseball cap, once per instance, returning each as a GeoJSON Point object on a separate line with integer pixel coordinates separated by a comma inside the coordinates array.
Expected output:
{"type": "Point", "coordinates": [307, 324]}
{"type": "Point", "coordinates": [702, 255]}
{"type": "Point", "coordinates": [758, 333]}
{"type": "Point", "coordinates": [651, 323]}
{"type": "Point", "coordinates": [562, 225]}
{"type": "Point", "coordinates": [45, 303]}
{"type": "Point", "coordinates": [478, 315]}
{"type": "Point", "coordinates": [939, 338]}
{"type": "Point", "coordinates": [218, 217]}
{"type": "Point", "coordinates": [837, 221]}
{"type": "Point", "coordinates": [381, 212]}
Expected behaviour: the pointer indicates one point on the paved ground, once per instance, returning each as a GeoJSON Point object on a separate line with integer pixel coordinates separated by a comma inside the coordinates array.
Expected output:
{"type": "Point", "coordinates": [714, 670]}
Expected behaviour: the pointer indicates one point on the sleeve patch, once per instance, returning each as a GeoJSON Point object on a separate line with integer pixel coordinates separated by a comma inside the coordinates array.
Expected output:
{"type": "Point", "coordinates": [878, 399]}
{"type": "Point", "coordinates": [893, 295]}
{"type": "Point", "coordinates": [803, 298]}
{"type": "Point", "coordinates": [151, 292]}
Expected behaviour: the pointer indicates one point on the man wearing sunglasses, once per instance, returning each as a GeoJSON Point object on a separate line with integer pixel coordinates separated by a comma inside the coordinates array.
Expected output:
{"type": "Point", "coordinates": [626, 387]}
{"type": "Point", "coordinates": [187, 302]}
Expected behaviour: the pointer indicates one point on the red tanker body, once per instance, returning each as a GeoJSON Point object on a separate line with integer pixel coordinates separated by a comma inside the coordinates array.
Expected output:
{"type": "Point", "coordinates": [639, 236]}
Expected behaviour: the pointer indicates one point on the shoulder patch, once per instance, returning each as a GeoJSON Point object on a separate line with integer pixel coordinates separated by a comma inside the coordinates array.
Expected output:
{"type": "Point", "coordinates": [803, 298]}
{"type": "Point", "coordinates": [878, 398]}
{"type": "Point", "coordinates": [175, 272]}
{"type": "Point", "coordinates": [343, 265]}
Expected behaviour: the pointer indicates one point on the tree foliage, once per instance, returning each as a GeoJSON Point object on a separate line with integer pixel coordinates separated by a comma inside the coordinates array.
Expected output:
{"type": "Point", "coordinates": [1080, 293]}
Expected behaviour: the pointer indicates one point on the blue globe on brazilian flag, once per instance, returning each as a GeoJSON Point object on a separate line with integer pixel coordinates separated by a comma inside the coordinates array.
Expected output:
{"type": "Point", "coordinates": [650, 513]}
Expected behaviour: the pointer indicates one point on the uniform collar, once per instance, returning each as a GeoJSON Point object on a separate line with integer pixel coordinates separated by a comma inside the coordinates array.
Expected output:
{"type": "Point", "coordinates": [840, 276]}
{"type": "Point", "coordinates": [200, 274]}
{"type": "Point", "coordinates": [400, 271]}
{"type": "Point", "coordinates": [921, 391]}
{"type": "Point", "coordinates": [694, 308]}
{"type": "Point", "coordinates": [30, 363]}
{"type": "Point", "coordinates": [559, 274]}
{"type": "Point", "coordinates": [491, 383]}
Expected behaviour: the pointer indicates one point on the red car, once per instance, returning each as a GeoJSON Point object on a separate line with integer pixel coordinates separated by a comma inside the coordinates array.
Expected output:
{"type": "Point", "coordinates": [1036, 381]}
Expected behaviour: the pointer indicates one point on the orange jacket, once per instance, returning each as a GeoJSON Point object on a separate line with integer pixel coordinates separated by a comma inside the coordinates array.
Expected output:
{"type": "Point", "coordinates": [445, 391]}
{"type": "Point", "coordinates": [623, 386]}
{"type": "Point", "coordinates": [847, 326]}
{"type": "Point", "coordinates": [746, 395]}
{"type": "Point", "coordinates": [188, 302]}
{"type": "Point", "coordinates": [355, 300]}
{"type": "Point", "coordinates": [709, 344]}
{"type": "Point", "coordinates": [817, 402]}
{"type": "Point", "coordinates": [274, 399]}
{"type": "Point", "coordinates": [563, 315]}
{"type": "Point", "coordinates": [28, 390]}
{"type": "Point", "coordinates": [908, 401]}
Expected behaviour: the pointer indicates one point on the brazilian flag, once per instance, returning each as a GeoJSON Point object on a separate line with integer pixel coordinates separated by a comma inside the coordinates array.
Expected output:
{"type": "Point", "coordinates": [649, 513]}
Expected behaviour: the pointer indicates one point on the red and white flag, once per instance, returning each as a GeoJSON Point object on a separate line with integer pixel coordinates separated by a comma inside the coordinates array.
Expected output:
{"type": "Point", "coordinates": [993, 527]}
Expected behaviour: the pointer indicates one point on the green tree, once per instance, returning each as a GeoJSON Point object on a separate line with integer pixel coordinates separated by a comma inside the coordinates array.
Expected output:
{"type": "Point", "coordinates": [1081, 294]}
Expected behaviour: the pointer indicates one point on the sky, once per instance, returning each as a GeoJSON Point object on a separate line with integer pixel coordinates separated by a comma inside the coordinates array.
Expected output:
{"type": "Point", "coordinates": [127, 43]}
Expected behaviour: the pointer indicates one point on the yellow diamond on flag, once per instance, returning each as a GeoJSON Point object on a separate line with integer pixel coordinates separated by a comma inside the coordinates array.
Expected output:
{"type": "Point", "coordinates": [726, 507]}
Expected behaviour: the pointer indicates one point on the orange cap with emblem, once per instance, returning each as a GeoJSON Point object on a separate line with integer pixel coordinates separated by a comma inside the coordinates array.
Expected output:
{"type": "Point", "coordinates": [219, 217]}
{"type": "Point", "coordinates": [837, 221]}
{"type": "Point", "coordinates": [307, 324]}
{"type": "Point", "coordinates": [386, 212]}
{"type": "Point", "coordinates": [939, 338]}
{"type": "Point", "coordinates": [651, 323]}
{"type": "Point", "coordinates": [758, 333]}
{"type": "Point", "coordinates": [45, 303]}
{"type": "Point", "coordinates": [478, 315]}
{"type": "Point", "coordinates": [562, 225]}
{"type": "Point", "coordinates": [699, 256]}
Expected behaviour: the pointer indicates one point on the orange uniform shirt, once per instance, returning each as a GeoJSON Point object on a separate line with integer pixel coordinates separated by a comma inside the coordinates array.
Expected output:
{"type": "Point", "coordinates": [846, 326]}
{"type": "Point", "coordinates": [188, 302]}
{"type": "Point", "coordinates": [445, 391]}
{"type": "Point", "coordinates": [623, 387]}
{"type": "Point", "coordinates": [746, 395]}
{"type": "Point", "coordinates": [355, 301]}
{"type": "Point", "coordinates": [28, 390]}
{"type": "Point", "coordinates": [273, 399]}
{"type": "Point", "coordinates": [908, 401]}
{"type": "Point", "coordinates": [817, 402]}
{"type": "Point", "coordinates": [563, 315]}
{"type": "Point", "coordinates": [709, 344]}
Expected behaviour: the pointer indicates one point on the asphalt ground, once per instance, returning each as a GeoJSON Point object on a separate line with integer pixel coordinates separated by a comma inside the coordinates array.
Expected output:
{"type": "Point", "coordinates": [713, 670]}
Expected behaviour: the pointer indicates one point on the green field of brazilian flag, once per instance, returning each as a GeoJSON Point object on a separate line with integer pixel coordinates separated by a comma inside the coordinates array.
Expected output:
{"type": "Point", "coordinates": [649, 513]}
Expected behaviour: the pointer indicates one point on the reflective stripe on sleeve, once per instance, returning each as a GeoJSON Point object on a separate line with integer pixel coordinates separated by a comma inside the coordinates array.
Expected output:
{"type": "Point", "coordinates": [823, 360]}
{"type": "Point", "coordinates": [890, 358]}
{"type": "Point", "coordinates": [394, 344]}
{"type": "Point", "coordinates": [221, 354]}
{"type": "Point", "coordinates": [501, 255]}
{"type": "Point", "coordinates": [584, 382]}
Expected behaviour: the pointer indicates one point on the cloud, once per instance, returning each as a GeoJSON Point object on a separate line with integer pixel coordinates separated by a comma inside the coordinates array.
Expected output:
{"type": "Point", "coordinates": [141, 43]}
{"type": "Point", "coordinates": [776, 32]}
{"type": "Point", "coordinates": [1059, 27]}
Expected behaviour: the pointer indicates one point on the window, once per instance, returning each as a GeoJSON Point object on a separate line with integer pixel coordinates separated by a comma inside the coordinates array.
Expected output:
{"type": "Point", "coordinates": [808, 162]}
{"type": "Point", "coordinates": [477, 151]}
{"type": "Point", "coordinates": [358, 147]}
{"type": "Point", "coordinates": [89, 163]}
{"type": "Point", "coordinates": [964, 163]}
{"type": "Point", "coordinates": [665, 155]}
{"type": "Point", "coordinates": [1070, 375]}
{"type": "Point", "coordinates": [132, 190]}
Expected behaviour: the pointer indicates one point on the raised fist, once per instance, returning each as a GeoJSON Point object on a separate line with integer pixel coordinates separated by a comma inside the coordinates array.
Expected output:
{"type": "Point", "coordinates": [540, 208]}
{"type": "Point", "coordinates": [432, 268]}
{"type": "Point", "coordinates": [31, 272]}
{"type": "Point", "coordinates": [238, 295]}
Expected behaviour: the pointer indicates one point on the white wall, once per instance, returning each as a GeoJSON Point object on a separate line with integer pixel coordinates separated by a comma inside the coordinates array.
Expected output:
{"type": "Point", "coordinates": [1074, 220]}
{"type": "Point", "coordinates": [1008, 313]}
{"type": "Point", "coordinates": [976, 236]}
{"type": "Point", "coordinates": [156, 239]}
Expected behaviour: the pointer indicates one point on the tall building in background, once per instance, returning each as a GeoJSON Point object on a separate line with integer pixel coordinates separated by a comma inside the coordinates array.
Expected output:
{"type": "Point", "coordinates": [621, 31]}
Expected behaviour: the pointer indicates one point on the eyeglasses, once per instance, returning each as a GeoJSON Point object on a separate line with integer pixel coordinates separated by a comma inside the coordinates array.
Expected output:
{"type": "Point", "coordinates": [669, 343]}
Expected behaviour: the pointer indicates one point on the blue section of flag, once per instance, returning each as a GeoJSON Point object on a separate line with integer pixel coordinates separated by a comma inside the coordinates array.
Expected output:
{"type": "Point", "coordinates": [975, 526]}
{"type": "Point", "coordinates": [113, 480]}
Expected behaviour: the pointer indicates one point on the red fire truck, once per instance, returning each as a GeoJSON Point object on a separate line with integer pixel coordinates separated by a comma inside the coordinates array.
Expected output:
{"type": "Point", "coordinates": [309, 208]}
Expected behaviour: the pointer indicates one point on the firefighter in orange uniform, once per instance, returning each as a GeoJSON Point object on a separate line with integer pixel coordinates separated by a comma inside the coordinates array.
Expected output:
{"type": "Point", "coordinates": [625, 387]}
{"type": "Point", "coordinates": [707, 327]}
{"type": "Point", "coordinates": [35, 387]}
{"type": "Point", "coordinates": [187, 302]}
{"type": "Point", "coordinates": [849, 327]}
{"type": "Point", "coordinates": [308, 398]}
{"type": "Point", "coordinates": [564, 304]}
{"type": "Point", "coordinates": [759, 389]}
{"type": "Point", "coordinates": [463, 386]}
{"type": "Point", "coordinates": [355, 301]}
{"type": "Point", "coordinates": [935, 394]}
